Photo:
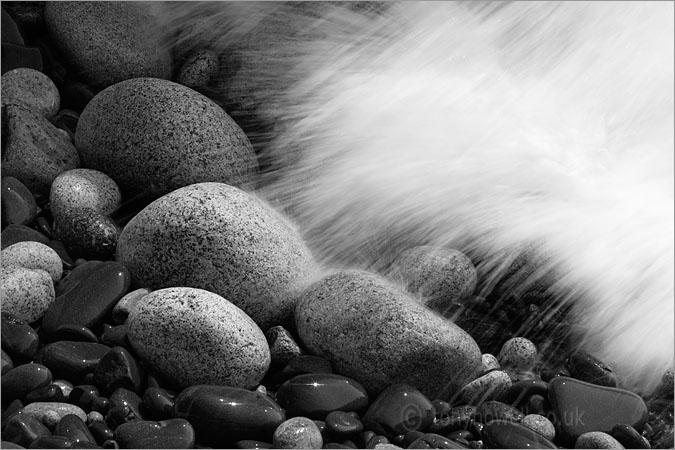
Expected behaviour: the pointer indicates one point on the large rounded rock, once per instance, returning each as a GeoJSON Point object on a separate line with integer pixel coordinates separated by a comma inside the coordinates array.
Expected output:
{"type": "Point", "coordinates": [156, 135]}
{"type": "Point", "coordinates": [380, 336]}
{"type": "Point", "coordinates": [193, 337]}
{"type": "Point", "coordinates": [108, 42]}
{"type": "Point", "coordinates": [219, 238]}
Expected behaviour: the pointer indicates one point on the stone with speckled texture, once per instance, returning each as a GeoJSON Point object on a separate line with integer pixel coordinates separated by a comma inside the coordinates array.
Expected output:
{"type": "Point", "coordinates": [84, 188]}
{"type": "Point", "coordinates": [597, 439]}
{"type": "Point", "coordinates": [34, 255]}
{"type": "Point", "coordinates": [491, 386]}
{"type": "Point", "coordinates": [518, 353]}
{"type": "Point", "coordinates": [298, 432]}
{"type": "Point", "coordinates": [26, 293]}
{"type": "Point", "coordinates": [31, 88]}
{"type": "Point", "coordinates": [156, 135]}
{"type": "Point", "coordinates": [219, 238]}
{"type": "Point", "coordinates": [192, 336]}
{"type": "Point", "coordinates": [86, 233]}
{"type": "Point", "coordinates": [378, 335]}
{"type": "Point", "coordinates": [199, 69]}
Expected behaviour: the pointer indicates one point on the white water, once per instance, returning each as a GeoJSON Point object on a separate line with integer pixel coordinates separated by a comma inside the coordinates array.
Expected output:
{"type": "Point", "coordinates": [480, 128]}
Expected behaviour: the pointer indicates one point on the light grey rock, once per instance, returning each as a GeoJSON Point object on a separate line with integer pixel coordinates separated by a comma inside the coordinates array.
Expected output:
{"type": "Point", "coordinates": [41, 410]}
{"type": "Point", "coordinates": [34, 255]}
{"type": "Point", "coordinates": [199, 69]}
{"type": "Point", "coordinates": [283, 347]}
{"type": "Point", "coordinates": [378, 335]}
{"type": "Point", "coordinates": [154, 135]}
{"type": "Point", "coordinates": [491, 386]}
{"type": "Point", "coordinates": [219, 238]}
{"type": "Point", "coordinates": [297, 432]}
{"type": "Point", "coordinates": [32, 89]}
{"type": "Point", "coordinates": [84, 188]}
{"type": "Point", "coordinates": [26, 293]}
{"type": "Point", "coordinates": [489, 362]}
{"type": "Point", "coordinates": [108, 42]}
{"type": "Point", "coordinates": [192, 336]}
{"type": "Point", "coordinates": [597, 439]}
{"type": "Point", "coordinates": [540, 424]}
{"type": "Point", "coordinates": [518, 353]}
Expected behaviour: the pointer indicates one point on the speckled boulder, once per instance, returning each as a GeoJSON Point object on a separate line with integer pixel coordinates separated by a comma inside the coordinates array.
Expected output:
{"type": "Point", "coordinates": [379, 336]}
{"type": "Point", "coordinates": [217, 237]}
{"type": "Point", "coordinates": [34, 255]}
{"type": "Point", "coordinates": [108, 42]}
{"type": "Point", "coordinates": [193, 336]}
{"type": "Point", "coordinates": [31, 88]}
{"type": "Point", "coordinates": [441, 277]}
{"type": "Point", "coordinates": [34, 150]}
{"type": "Point", "coordinates": [26, 293]}
{"type": "Point", "coordinates": [84, 188]}
{"type": "Point", "coordinates": [156, 135]}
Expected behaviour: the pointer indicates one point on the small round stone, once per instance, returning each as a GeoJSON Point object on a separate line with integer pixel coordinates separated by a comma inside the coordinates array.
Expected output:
{"type": "Point", "coordinates": [34, 255]}
{"type": "Point", "coordinates": [491, 386]}
{"type": "Point", "coordinates": [298, 432]}
{"type": "Point", "coordinates": [31, 88]}
{"type": "Point", "coordinates": [343, 424]}
{"type": "Point", "coordinates": [27, 293]}
{"type": "Point", "coordinates": [540, 424]}
{"type": "Point", "coordinates": [283, 347]}
{"type": "Point", "coordinates": [596, 439]}
{"type": "Point", "coordinates": [84, 188]}
{"type": "Point", "coordinates": [199, 69]}
{"type": "Point", "coordinates": [490, 362]}
{"type": "Point", "coordinates": [518, 353]}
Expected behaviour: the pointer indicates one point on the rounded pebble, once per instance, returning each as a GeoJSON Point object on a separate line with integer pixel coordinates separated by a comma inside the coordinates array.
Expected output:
{"type": "Point", "coordinates": [170, 433]}
{"type": "Point", "coordinates": [154, 135]}
{"type": "Point", "coordinates": [86, 233]}
{"type": "Point", "coordinates": [84, 188]}
{"type": "Point", "coordinates": [27, 293]}
{"type": "Point", "coordinates": [31, 88]}
{"type": "Point", "coordinates": [21, 380]}
{"type": "Point", "coordinates": [219, 238]}
{"type": "Point", "coordinates": [39, 410]}
{"type": "Point", "coordinates": [18, 203]}
{"type": "Point", "coordinates": [397, 410]}
{"type": "Point", "coordinates": [491, 386]}
{"type": "Point", "coordinates": [540, 424]}
{"type": "Point", "coordinates": [199, 69]}
{"type": "Point", "coordinates": [298, 432]}
{"type": "Point", "coordinates": [518, 354]}
{"type": "Point", "coordinates": [490, 362]}
{"type": "Point", "coordinates": [596, 439]}
{"type": "Point", "coordinates": [586, 367]}
{"type": "Point", "coordinates": [343, 424]}
{"type": "Point", "coordinates": [127, 303]}
{"type": "Point", "coordinates": [34, 255]}
{"type": "Point", "coordinates": [226, 347]}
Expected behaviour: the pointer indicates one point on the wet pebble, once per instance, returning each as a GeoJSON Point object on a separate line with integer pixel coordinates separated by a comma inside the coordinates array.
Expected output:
{"type": "Point", "coordinates": [18, 203]}
{"type": "Point", "coordinates": [283, 347]}
{"type": "Point", "coordinates": [72, 359]}
{"type": "Point", "coordinates": [127, 303]}
{"type": "Point", "coordinates": [23, 379]}
{"type": "Point", "coordinates": [84, 188]}
{"type": "Point", "coordinates": [253, 444]}
{"type": "Point", "coordinates": [431, 440]}
{"type": "Point", "coordinates": [170, 433]}
{"type": "Point", "coordinates": [86, 233]}
{"type": "Point", "coordinates": [596, 439]}
{"type": "Point", "coordinates": [315, 395]}
{"type": "Point", "coordinates": [199, 69]}
{"type": "Point", "coordinates": [343, 424]}
{"type": "Point", "coordinates": [520, 392]}
{"type": "Point", "coordinates": [158, 402]}
{"type": "Point", "coordinates": [518, 354]}
{"type": "Point", "coordinates": [32, 89]}
{"type": "Point", "coordinates": [7, 363]}
{"type": "Point", "coordinates": [507, 434]}
{"type": "Point", "coordinates": [540, 424]}
{"type": "Point", "coordinates": [41, 410]}
{"type": "Point", "coordinates": [115, 336]}
{"type": "Point", "coordinates": [489, 362]}
{"type": "Point", "coordinates": [297, 432]}
{"type": "Point", "coordinates": [457, 418]}
{"type": "Point", "coordinates": [51, 442]}
{"type": "Point", "coordinates": [19, 339]}
{"type": "Point", "coordinates": [74, 427]}
{"type": "Point", "coordinates": [586, 367]}
{"type": "Point", "coordinates": [303, 364]}
{"type": "Point", "coordinates": [23, 429]}
{"type": "Point", "coordinates": [494, 410]}
{"type": "Point", "coordinates": [493, 385]}
{"type": "Point", "coordinates": [101, 432]}
{"type": "Point", "coordinates": [226, 347]}
{"type": "Point", "coordinates": [20, 233]}
{"type": "Point", "coordinates": [398, 409]}
{"type": "Point", "coordinates": [119, 369]}
{"type": "Point", "coordinates": [61, 250]}
{"type": "Point", "coordinates": [629, 436]}
{"type": "Point", "coordinates": [84, 396]}
{"type": "Point", "coordinates": [27, 293]}
{"type": "Point", "coordinates": [34, 255]}
{"type": "Point", "coordinates": [49, 393]}
{"type": "Point", "coordinates": [77, 275]}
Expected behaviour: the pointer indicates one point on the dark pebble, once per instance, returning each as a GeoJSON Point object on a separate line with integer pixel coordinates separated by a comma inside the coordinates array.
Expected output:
{"type": "Point", "coordinates": [248, 443]}
{"type": "Point", "coordinates": [101, 405]}
{"type": "Point", "coordinates": [583, 407]}
{"type": "Point", "coordinates": [88, 302]}
{"type": "Point", "coordinates": [519, 392]}
{"type": "Point", "coordinates": [431, 440]}
{"type": "Point", "coordinates": [629, 437]}
{"type": "Point", "coordinates": [494, 410]}
{"type": "Point", "coordinates": [223, 414]}
{"type": "Point", "coordinates": [66, 119]}
{"type": "Point", "coordinates": [10, 31]}
{"type": "Point", "coordinates": [70, 359]}
{"type": "Point", "coordinates": [23, 429]}
{"type": "Point", "coordinates": [51, 442]}
{"type": "Point", "coordinates": [7, 444]}
{"type": "Point", "coordinates": [14, 407]}
{"type": "Point", "coordinates": [507, 434]}
{"type": "Point", "coordinates": [21, 233]}
{"type": "Point", "coordinates": [171, 433]}
{"type": "Point", "coordinates": [548, 375]}
{"type": "Point", "coordinates": [101, 432]}
{"type": "Point", "coordinates": [49, 393]}
{"type": "Point", "coordinates": [87, 233]}
{"type": "Point", "coordinates": [43, 226]}
{"type": "Point", "coordinates": [461, 434]}
{"type": "Point", "coordinates": [586, 367]}
{"type": "Point", "coordinates": [115, 336]}
{"type": "Point", "coordinates": [343, 424]}
{"type": "Point", "coordinates": [457, 418]}
{"type": "Point", "coordinates": [7, 363]}
{"type": "Point", "coordinates": [70, 332]}
{"type": "Point", "coordinates": [441, 408]}
{"type": "Point", "coordinates": [119, 369]}
{"type": "Point", "coordinates": [363, 438]}
{"type": "Point", "coordinates": [537, 404]}
{"type": "Point", "coordinates": [73, 428]}
{"type": "Point", "coordinates": [83, 444]}
{"type": "Point", "coordinates": [84, 396]}
{"type": "Point", "coordinates": [18, 204]}
{"type": "Point", "coordinates": [60, 250]}
{"type": "Point", "coordinates": [314, 395]}
{"type": "Point", "coordinates": [398, 409]}
{"type": "Point", "coordinates": [283, 347]}
{"type": "Point", "coordinates": [76, 276]}
{"type": "Point", "coordinates": [124, 398]}
{"type": "Point", "coordinates": [304, 364]}
{"type": "Point", "coordinates": [19, 339]}
{"type": "Point", "coordinates": [110, 443]}
{"type": "Point", "coordinates": [14, 56]}
{"type": "Point", "coordinates": [375, 440]}
{"type": "Point", "coordinates": [23, 379]}
{"type": "Point", "coordinates": [335, 445]}
{"type": "Point", "coordinates": [158, 403]}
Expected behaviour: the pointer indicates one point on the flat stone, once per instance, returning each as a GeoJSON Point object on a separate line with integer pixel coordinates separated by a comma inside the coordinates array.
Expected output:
{"type": "Point", "coordinates": [297, 432]}
{"type": "Point", "coordinates": [27, 293]}
{"type": "Point", "coordinates": [18, 203]}
{"type": "Point", "coordinates": [20, 233]}
{"type": "Point", "coordinates": [192, 336]}
{"type": "Point", "coordinates": [118, 368]}
{"type": "Point", "coordinates": [19, 339]}
{"type": "Point", "coordinates": [586, 367]}
{"type": "Point", "coordinates": [223, 414]}
{"type": "Point", "coordinates": [491, 386]}
{"type": "Point", "coordinates": [302, 364]}
{"type": "Point", "coordinates": [214, 237]}
{"type": "Point", "coordinates": [520, 391]}
{"type": "Point", "coordinates": [84, 188]}
{"type": "Point", "coordinates": [315, 395]}
{"type": "Point", "coordinates": [108, 42]}
{"type": "Point", "coordinates": [115, 336]}
{"type": "Point", "coordinates": [76, 276]}
{"type": "Point", "coordinates": [86, 233]}
{"type": "Point", "coordinates": [170, 433]}
{"type": "Point", "coordinates": [40, 410]}
{"type": "Point", "coordinates": [398, 409]}
{"type": "Point", "coordinates": [348, 317]}
{"type": "Point", "coordinates": [34, 255]}
{"type": "Point", "coordinates": [22, 379]}
{"type": "Point", "coordinates": [584, 407]}
{"type": "Point", "coordinates": [10, 31]}
{"type": "Point", "coordinates": [507, 434]}
{"type": "Point", "coordinates": [90, 300]}
{"type": "Point", "coordinates": [32, 89]}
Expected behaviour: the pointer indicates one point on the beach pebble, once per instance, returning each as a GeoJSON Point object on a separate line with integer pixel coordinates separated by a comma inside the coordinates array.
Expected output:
{"type": "Point", "coordinates": [155, 135]}
{"type": "Point", "coordinates": [35, 151]}
{"type": "Point", "coordinates": [442, 277]}
{"type": "Point", "coordinates": [192, 336]}
{"type": "Point", "coordinates": [118, 368]}
{"type": "Point", "coordinates": [40, 409]}
{"type": "Point", "coordinates": [491, 386]}
{"type": "Point", "coordinates": [283, 347]}
{"type": "Point", "coordinates": [74, 427]}
{"type": "Point", "coordinates": [397, 410]}
{"type": "Point", "coordinates": [170, 433]}
{"type": "Point", "coordinates": [86, 233]}
{"type": "Point", "coordinates": [219, 238]}
{"type": "Point", "coordinates": [19, 339]}
{"type": "Point", "coordinates": [629, 437]}
{"type": "Point", "coordinates": [23, 429]}
{"type": "Point", "coordinates": [127, 304]}
{"type": "Point", "coordinates": [343, 424]}
{"type": "Point", "coordinates": [518, 354]}
{"type": "Point", "coordinates": [159, 402]}
{"type": "Point", "coordinates": [495, 410]}
{"type": "Point", "coordinates": [18, 203]}
{"type": "Point", "coordinates": [349, 316]}
{"type": "Point", "coordinates": [32, 89]}
{"type": "Point", "coordinates": [21, 233]}
{"type": "Point", "coordinates": [540, 424]}
{"type": "Point", "coordinates": [34, 255]}
{"type": "Point", "coordinates": [586, 367]}
{"type": "Point", "coordinates": [21, 380]}
{"type": "Point", "coordinates": [26, 293]}
{"type": "Point", "coordinates": [597, 439]}
{"type": "Point", "coordinates": [298, 432]}
{"type": "Point", "coordinates": [84, 188]}
{"type": "Point", "coordinates": [490, 362]}
{"type": "Point", "coordinates": [108, 42]}
{"type": "Point", "coordinates": [7, 363]}
{"type": "Point", "coordinates": [199, 69]}
{"type": "Point", "coordinates": [507, 434]}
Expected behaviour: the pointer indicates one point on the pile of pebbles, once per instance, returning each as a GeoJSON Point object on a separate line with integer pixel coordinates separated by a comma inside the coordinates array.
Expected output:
{"type": "Point", "coordinates": [150, 299]}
